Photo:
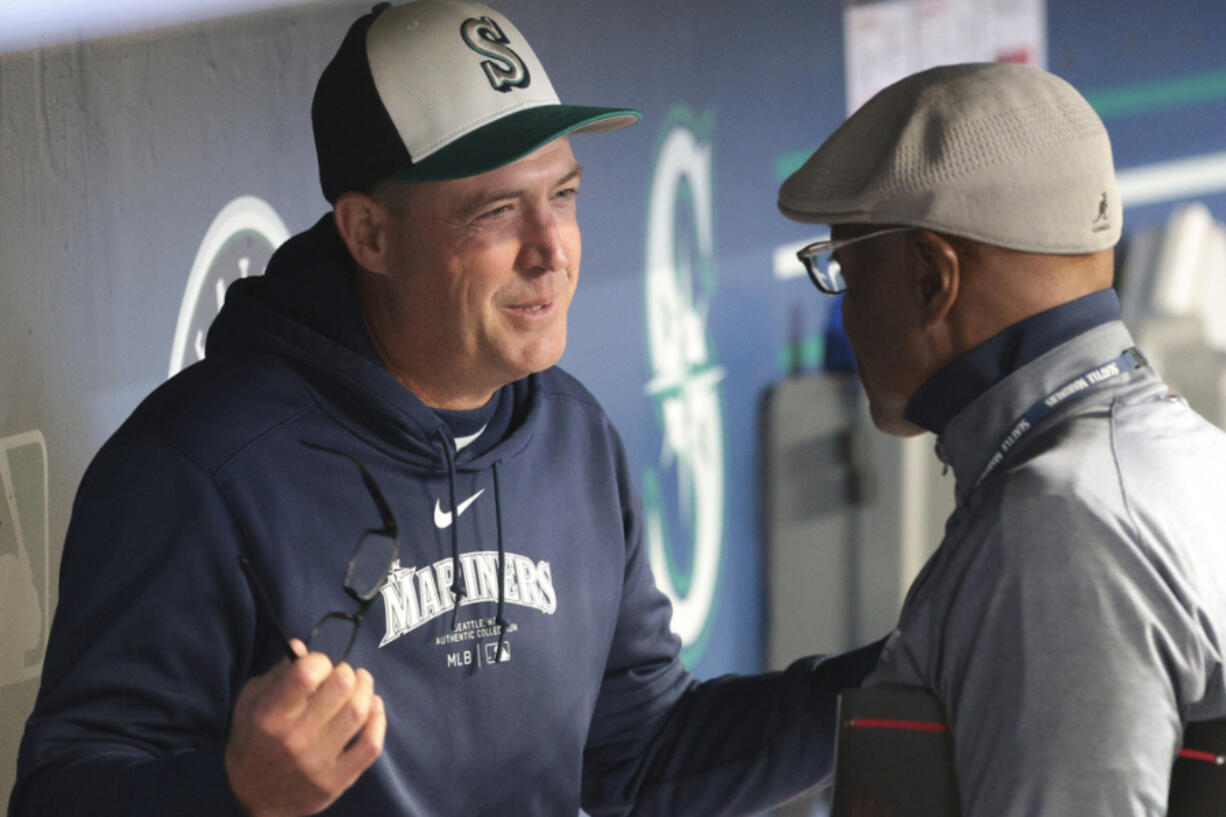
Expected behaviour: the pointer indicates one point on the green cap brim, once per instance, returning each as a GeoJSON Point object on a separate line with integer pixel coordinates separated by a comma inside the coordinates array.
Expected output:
{"type": "Point", "coordinates": [513, 137]}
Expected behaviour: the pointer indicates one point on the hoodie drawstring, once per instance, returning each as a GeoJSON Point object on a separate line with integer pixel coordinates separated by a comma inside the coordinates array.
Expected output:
{"type": "Point", "coordinates": [502, 582]}
{"type": "Point", "coordinates": [458, 589]}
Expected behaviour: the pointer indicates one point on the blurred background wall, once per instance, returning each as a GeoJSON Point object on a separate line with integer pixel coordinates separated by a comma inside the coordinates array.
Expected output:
{"type": "Point", "coordinates": [150, 157]}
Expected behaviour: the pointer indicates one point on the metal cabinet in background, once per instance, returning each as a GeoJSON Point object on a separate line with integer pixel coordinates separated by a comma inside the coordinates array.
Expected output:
{"type": "Point", "coordinates": [849, 514]}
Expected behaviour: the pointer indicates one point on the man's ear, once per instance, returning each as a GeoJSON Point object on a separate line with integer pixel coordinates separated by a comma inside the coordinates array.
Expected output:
{"type": "Point", "coordinates": [362, 224]}
{"type": "Point", "coordinates": [938, 275]}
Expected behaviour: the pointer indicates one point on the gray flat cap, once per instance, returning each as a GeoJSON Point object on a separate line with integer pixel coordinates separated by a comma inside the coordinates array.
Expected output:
{"type": "Point", "coordinates": [1000, 153]}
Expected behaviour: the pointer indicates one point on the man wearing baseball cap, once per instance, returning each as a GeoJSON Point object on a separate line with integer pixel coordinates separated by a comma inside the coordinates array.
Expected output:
{"type": "Point", "coordinates": [379, 466]}
{"type": "Point", "coordinates": [1073, 620]}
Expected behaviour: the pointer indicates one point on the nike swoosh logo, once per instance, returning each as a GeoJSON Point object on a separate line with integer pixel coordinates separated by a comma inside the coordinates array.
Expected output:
{"type": "Point", "coordinates": [442, 519]}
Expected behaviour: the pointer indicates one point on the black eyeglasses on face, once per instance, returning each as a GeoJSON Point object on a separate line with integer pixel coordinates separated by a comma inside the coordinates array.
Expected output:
{"type": "Point", "coordinates": [369, 563]}
{"type": "Point", "coordinates": [819, 262]}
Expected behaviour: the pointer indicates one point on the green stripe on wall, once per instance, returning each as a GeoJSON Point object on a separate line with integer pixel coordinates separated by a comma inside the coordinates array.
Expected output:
{"type": "Point", "coordinates": [1125, 100]}
{"type": "Point", "coordinates": [1157, 95]}
{"type": "Point", "coordinates": [789, 163]}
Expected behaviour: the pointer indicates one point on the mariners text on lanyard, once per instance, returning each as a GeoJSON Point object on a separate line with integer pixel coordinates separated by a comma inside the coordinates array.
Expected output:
{"type": "Point", "coordinates": [1105, 373]}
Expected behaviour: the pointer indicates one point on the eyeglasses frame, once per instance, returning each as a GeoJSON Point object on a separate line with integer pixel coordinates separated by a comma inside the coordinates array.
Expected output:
{"type": "Point", "coordinates": [809, 252]}
{"type": "Point", "coordinates": [364, 600]}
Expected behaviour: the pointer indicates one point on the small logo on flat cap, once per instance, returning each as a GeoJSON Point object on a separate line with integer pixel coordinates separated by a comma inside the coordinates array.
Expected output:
{"type": "Point", "coordinates": [1102, 222]}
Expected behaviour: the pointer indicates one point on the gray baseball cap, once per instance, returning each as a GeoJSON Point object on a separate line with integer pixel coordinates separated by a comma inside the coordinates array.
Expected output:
{"type": "Point", "coordinates": [1005, 154]}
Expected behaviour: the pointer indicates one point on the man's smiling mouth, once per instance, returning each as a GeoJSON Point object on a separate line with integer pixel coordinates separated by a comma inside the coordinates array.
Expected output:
{"type": "Point", "coordinates": [530, 308]}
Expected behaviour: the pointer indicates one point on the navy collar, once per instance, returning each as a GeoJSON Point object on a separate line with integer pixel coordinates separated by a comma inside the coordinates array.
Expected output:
{"type": "Point", "coordinates": [953, 388]}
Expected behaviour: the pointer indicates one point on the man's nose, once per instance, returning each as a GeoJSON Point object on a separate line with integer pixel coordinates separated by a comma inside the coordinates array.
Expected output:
{"type": "Point", "coordinates": [543, 247]}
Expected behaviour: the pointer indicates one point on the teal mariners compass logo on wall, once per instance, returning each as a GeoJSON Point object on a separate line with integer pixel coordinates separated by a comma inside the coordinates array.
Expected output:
{"type": "Point", "coordinates": [683, 494]}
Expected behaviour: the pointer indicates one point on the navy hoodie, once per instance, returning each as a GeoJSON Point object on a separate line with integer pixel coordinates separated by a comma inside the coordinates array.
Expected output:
{"type": "Point", "coordinates": [158, 629]}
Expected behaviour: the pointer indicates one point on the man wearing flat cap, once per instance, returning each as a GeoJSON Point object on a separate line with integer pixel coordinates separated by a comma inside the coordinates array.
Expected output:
{"type": "Point", "coordinates": [378, 466]}
{"type": "Point", "coordinates": [1073, 619]}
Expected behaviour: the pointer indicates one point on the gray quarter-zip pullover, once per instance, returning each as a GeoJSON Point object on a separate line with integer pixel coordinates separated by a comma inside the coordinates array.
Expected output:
{"type": "Point", "coordinates": [1073, 618]}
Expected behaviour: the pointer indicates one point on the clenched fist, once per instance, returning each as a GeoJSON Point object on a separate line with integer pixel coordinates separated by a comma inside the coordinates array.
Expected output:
{"type": "Point", "coordinates": [302, 734]}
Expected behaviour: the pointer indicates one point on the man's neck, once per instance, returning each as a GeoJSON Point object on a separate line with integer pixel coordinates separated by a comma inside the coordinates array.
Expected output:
{"type": "Point", "coordinates": [429, 380]}
{"type": "Point", "coordinates": [420, 368]}
{"type": "Point", "coordinates": [950, 390]}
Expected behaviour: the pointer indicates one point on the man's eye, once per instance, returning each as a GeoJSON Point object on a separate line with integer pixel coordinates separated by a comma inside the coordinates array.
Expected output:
{"type": "Point", "coordinates": [497, 211]}
{"type": "Point", "coordinates": [567, 193]}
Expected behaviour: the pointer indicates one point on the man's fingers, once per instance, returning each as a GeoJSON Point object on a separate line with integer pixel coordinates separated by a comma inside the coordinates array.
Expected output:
{"type": "Point", "coordinates": [293, 736]}
{"type": "Point", "coordinates": [368, 745]}
{"type": "Point", "coordinates": [352, 713]}
{"type": "Point", "coordinates": [281, 695]}
{"type": "Point", "coordinates": [304, 677]}
{"type": "Point", "coordinates": [328, 699]}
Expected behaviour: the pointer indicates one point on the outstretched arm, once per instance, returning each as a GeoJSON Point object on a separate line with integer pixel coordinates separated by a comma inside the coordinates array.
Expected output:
{"type": "Point", "coordinates": [662, 743]}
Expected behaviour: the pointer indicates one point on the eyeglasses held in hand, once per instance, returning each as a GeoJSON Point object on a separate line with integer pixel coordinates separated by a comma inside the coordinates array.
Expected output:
{"type": "Point", "coordinates": [369, 563]}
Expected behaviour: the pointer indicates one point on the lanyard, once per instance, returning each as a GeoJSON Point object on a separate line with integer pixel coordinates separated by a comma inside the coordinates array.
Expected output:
{"type": "Point", "coordinates": [1087, 380]}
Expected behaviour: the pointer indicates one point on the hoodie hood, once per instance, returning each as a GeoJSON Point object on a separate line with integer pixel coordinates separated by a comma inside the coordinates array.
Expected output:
{"type": "Point", "coordinates": [305, 308]}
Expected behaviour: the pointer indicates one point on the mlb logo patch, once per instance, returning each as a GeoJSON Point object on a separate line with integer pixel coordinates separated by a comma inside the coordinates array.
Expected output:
{"type": "Point", "coordinates": [491, 649]}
